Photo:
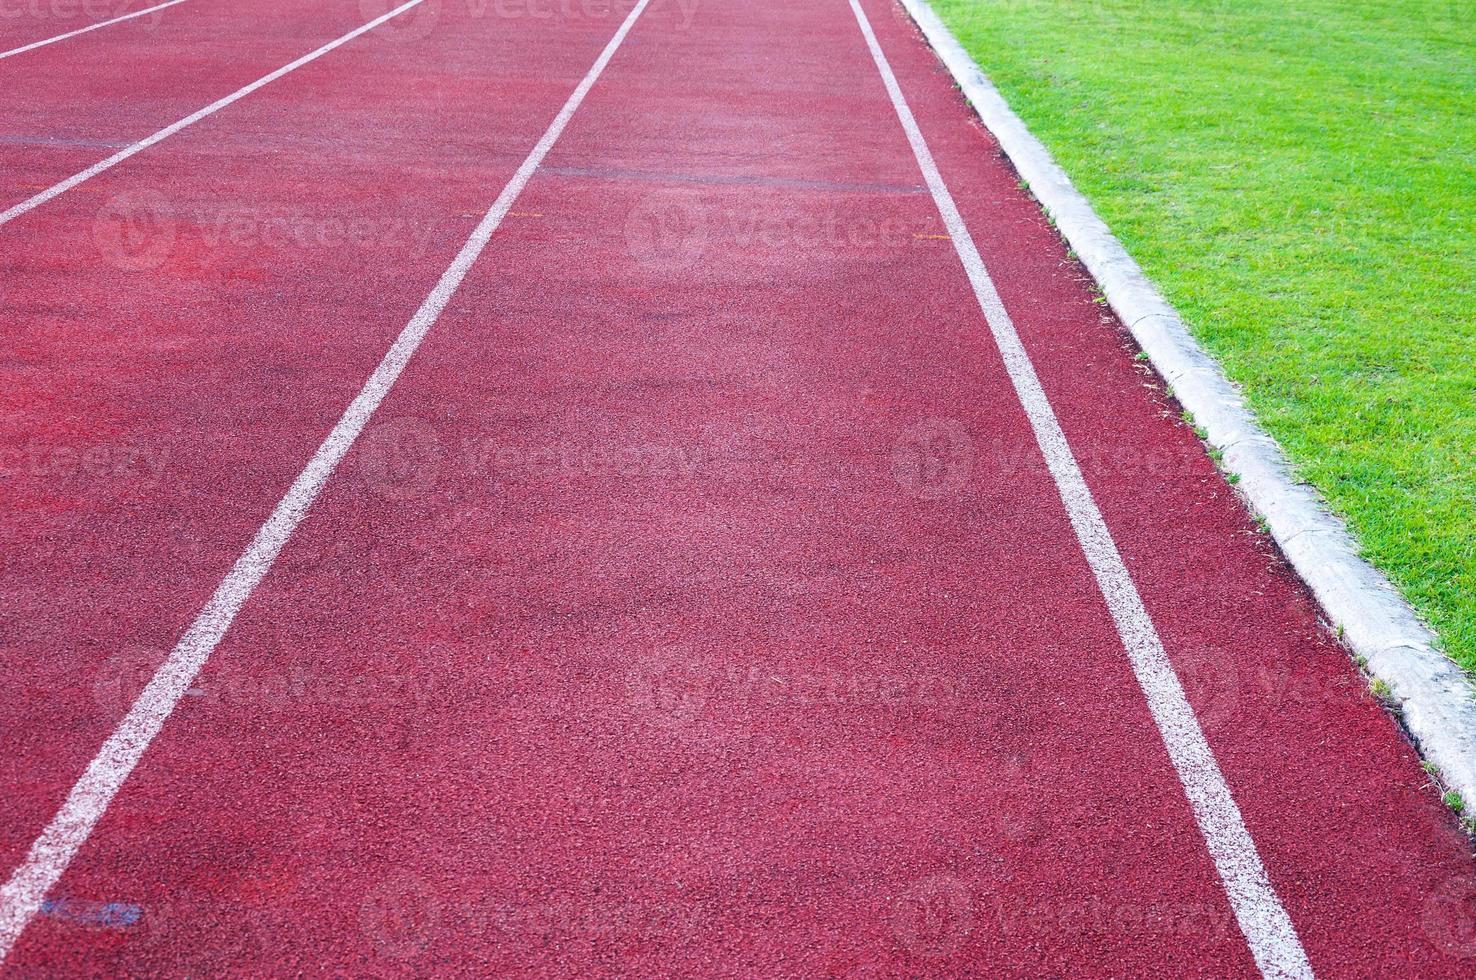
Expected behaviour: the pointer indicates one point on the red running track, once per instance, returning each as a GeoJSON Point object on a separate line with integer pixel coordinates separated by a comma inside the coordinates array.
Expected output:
{"type": "Point", "coordinates": [71, 103]}
{"type": "Point", "coordinates": [697, 602]}
{"type": "Point", "coordinates": [29, 25]}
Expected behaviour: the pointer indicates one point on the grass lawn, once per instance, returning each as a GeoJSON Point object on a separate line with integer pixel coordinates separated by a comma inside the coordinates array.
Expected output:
{"type": "Point", "coordinates": [1299, 177]}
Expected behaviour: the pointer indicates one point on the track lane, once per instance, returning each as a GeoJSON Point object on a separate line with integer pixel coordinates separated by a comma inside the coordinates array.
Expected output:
{"type": "Point", "coordinates": [24, 895]}
{"type": "Point", "coordinates": [1331, 792]}
{"type": "Point", "coordinates": [293, 240]}
{"type": "Point", "coordinates": [638, 631]}
{"type": "Point", "coordinates": [27, 22]}
{"type": "Point", "coordinates": [70, 105]}
{"type": "Point", "coordinates": [536, 810]}
{"type": "Point", "coordinates": [120, 17]}
{"type": "Point", "coordinates": [1263, 921]}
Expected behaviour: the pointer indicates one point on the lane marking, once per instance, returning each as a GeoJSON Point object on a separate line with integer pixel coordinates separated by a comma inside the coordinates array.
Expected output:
{"type": "Point", "coordinates": [1263, 920]}
{"type": "Point", "coordinates": [1434, 694]}
{"type": "Point", "coordinates": [62, 187]}
{"type": "Point", "coordinates": [90, 27]}
{"type": "Point", "coordinates": [23, 895]}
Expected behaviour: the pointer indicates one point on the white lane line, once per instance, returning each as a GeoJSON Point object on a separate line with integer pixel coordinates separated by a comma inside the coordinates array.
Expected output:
{"type": "Point", "coordinates": [90, 27]}
{"type": "Point", "coordinates": [63, 186]}
{"type": "Point", "coordinates": [49, 856]}
{"type": "Point", "coordinates": [1263, 920]}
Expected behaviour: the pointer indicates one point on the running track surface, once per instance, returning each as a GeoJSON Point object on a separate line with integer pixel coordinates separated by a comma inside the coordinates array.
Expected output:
{"type": "Point", "coordinates": [697, 602]}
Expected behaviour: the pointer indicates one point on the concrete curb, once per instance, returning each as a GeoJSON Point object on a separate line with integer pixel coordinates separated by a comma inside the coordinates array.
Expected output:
{"type": "Point", "coordinates": [1433, 695]}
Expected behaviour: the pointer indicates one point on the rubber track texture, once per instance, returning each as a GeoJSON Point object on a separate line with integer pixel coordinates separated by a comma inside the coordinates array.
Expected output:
{"type": "Point", "coordinates": [698, 601]}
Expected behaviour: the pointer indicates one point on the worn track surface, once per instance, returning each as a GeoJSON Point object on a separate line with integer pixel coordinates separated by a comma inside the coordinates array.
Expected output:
{"type": "Point", "coordinates": [697, 602]}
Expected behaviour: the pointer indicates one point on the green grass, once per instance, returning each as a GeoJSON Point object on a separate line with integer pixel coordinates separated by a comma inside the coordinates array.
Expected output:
{"type": "Point", "coordinates": [1299, 176]}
